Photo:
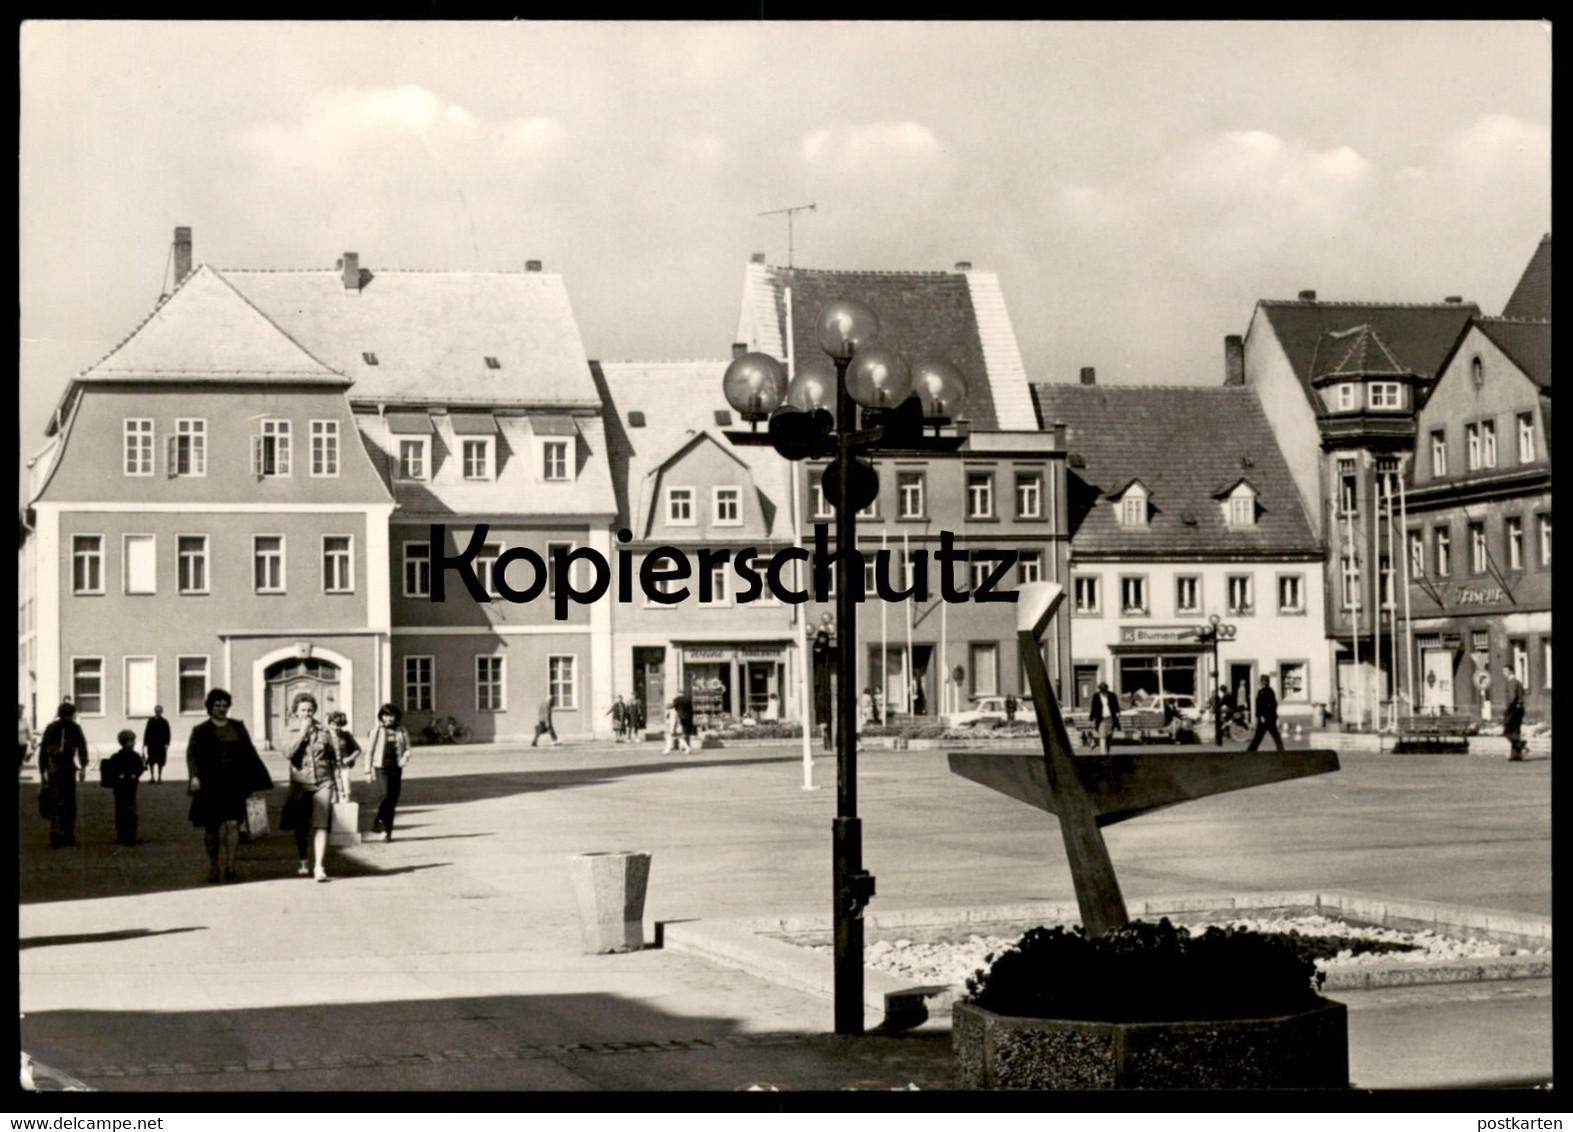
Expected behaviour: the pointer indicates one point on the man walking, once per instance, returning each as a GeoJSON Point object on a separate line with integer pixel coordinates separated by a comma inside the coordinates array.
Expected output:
{"type": "Point", "coordinates": [543, 721]}
{"type": "Point", "coordinates": [1105, 715]}
{"type": "Point", "coordinates": [62, 749]}
{"type": "Point", "coordinates": [684, 703]}
{"type": "Point", "coordinates": [155, 744]}
{"type": "Point", "coordinates": [1513, 715]}
{"type": "Point", "coordinates": [1266, 716]}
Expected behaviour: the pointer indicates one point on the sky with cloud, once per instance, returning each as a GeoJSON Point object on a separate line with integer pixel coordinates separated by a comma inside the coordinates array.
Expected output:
{"type": "Point", "coordinates": [1137, 187]}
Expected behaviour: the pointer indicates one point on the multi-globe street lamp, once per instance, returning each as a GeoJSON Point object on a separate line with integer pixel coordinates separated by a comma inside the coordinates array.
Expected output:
{"type": "Point", "coordinates": [815, 414]}
{"type": "Point", "coordinates": [1217, 630]}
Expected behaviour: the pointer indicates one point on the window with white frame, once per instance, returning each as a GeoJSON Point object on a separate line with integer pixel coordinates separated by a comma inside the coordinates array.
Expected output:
{"type": "Point", "coordinates": [486, 566]}
{"type": "Point", "coordinates": [720, 594]}
{"type": "Point", "coordinates": [822, 506]}
{"type": "Point", "coordinates": [1386, 589]}
{"type": "Point", "coordinates": [1295, 688]}
{"type": "Point", "coordinates": [1443, 539]}
{"type": "Point", "coordinates": [338, 573]}
{"type": "Point", "coordinates": [417, 569]}
{"type": "Point", "coordinates": [1472, 446]}
{"type": "Point", "coordinates": [761, 566]}
{"type": "Point", "coordinates": [562, 681]}
{"type": "Point", "coordinates": [1488, 444]}
{"type": "Point", "coordinates": [554, 460]}
{"type": "Point", "coordinates": [1513, 538]}
{"type": "Point", "coordinates": [1518, 653]}
{"type": "Point", "coordinates": [871, 511]}
{"type": "Point", "coordinates": [1241, 600]}
{"type": "Point", "coordinates": [1133, 508]}
{"type": "Point", "coordinates": [1386, 395]}
{"type": "Point", "coordinates": [413, 457]}
{"type": "Point", "coordinates": [1439, 452]}
{"type": "Point", "coordinates": [191, 563]}
{"type": "Point", "coordinates": [980, 495]}
{"type": "Point", "coordinates": [1386, 481]}
{"type": "Point", "coordinates": [1477, 548]}
{"type": "Point", "coordinates": [489, 687]}
{"type": "Point", "coordinates": [1029, 566]}
{"type": "Point", "coordinates": [1350, 570]}
{"type": "Point", "coordinates": [1348, 485]}
{"type": "Point", "coordinates": [270, 451]}
{"type": "Point", "coordinates": [324, 448]}
{"type": "Point", "coordinates": [1417, 554]}
{"type": "Point", "coordinates": [476, 456]}
{"type": "Point", "coordinates": [1291, 593]}
{"type": "Point", "coordinates": [1086, 595]}
{"type": "Point", "coordinates": [87, 685]}
{"type": "Point", "coordinates": [909, 494]}
{"type": "Point", "coordinates": [1346, 396]}
{"type": "Point", "coordinates": [1133, 594]}
{"type": "Point", "coordinates": [985, 668]}
{"type": "Point", "coordinates": [1242, 507]}
{"type": "Point", "coordinates": [1526, 438]}
{"type": "Point", "coordinates": [140, 686]}
{"type": "Point", "coordinates": [138, 447]}
{"type": "Point", "coordinates": [1544, 523]}
{"type": "Point", "coordinates": [1029, 495]}
{"type": "Point", "coordinates": [267, 562]}
{"type": "Point", "coordinates": [1187, 594]}
{"type": "Point", "coordinates": [420, 683]}
{"type": "Point", "coordinates": [188, 448]}
{"type": "Point", "coordinates": [977, 574]}
{"type": "Point", "coordinates": [680, 506]}
{"type": "Point", "coordinates": [726, 505]}
{"type": "Point", "coordinates": [191, 684]}
{"type": "Point", "coordinates": [552, 549]}
{"type": "Point", "coordinates": [87, 564]}
{"type": "Point", "coordinates": [141, 564]}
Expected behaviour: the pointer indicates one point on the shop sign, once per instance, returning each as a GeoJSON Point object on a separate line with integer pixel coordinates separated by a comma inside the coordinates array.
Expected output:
{"type": "Point", "coordinates": [1157, 634]}
{"type": "Point", "coordinates": [741, 652]}
{"type": "Point", "coordinates": [1468, 595]}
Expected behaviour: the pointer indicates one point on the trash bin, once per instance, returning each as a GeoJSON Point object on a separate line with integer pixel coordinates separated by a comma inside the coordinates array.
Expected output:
{"type": "Point", "coordinates": [610, 889]}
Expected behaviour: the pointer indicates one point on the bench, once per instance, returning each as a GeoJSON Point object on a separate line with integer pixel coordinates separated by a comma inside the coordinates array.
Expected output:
{"type": "Point", "coordinates": [1137, 725]}
{"type": "Point", "coordinates": [1434, 734]}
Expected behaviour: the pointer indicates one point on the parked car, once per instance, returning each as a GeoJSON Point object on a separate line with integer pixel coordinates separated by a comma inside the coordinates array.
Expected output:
{"type": "Point", "coordinates": [987, 711]}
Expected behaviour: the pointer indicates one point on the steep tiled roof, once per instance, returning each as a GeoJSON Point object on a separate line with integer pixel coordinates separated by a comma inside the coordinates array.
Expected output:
{"type": "Point", "coordinates": [956, 316]}
{"type": "Point", "coordinates": [679, 402]}
{"type": "Point", "coordinates": [1527, 343]}
{"type": "Point", "coordinates": [1358, 352]}
{"type": "Point", "coordinates": [1181, 442]}
{"type": "Point", "coordinates": [431, 332]}
{"type": "Point", "coordinates": [206, 330]}
{"type": "Point", "coordinates": [516, 487]}
{"type": "Point", "coordinates": [1532, 297]}
{"type": "Point", "coordinates": [1419, 334]}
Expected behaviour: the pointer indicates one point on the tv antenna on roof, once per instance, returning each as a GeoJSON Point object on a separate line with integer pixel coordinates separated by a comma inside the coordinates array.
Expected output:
{"type": "Point", "coordinates": [788, 212]}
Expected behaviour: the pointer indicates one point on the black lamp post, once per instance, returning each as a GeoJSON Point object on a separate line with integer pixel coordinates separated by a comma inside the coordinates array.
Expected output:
{"type": "Point", "coordinates": [1217, 629]}
{"type": "Point", "coordinates": [815, 416]}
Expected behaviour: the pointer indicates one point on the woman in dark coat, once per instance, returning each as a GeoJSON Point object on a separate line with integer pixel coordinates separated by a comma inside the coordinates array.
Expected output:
{"type": "Point", "coordinates": [224, 770]}
{"type": "Point", "coordinates": [61, 750]}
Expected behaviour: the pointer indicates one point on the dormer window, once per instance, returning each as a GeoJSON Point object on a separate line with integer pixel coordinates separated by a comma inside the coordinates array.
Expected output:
{"type": "Point", "coordinates": [1386, 395]}
{"type": "Point", "coordinates": [1348, 397]}
{"type": "Point", "coordinates": [1133, 507]}
{"type": "Point", "coordinates": [554, 460]}
{"type": "Point", "coordinates": [1240, 507]}
{"type": "Point", "coordinates": [413, 458]}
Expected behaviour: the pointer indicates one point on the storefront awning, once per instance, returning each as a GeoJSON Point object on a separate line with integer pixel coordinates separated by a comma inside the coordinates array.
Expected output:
{"type": "Point", "coordinates": [409, 424]}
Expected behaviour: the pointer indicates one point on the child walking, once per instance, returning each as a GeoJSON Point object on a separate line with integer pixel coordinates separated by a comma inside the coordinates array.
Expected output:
{"type": "Point", "coordinates": [121, 772]}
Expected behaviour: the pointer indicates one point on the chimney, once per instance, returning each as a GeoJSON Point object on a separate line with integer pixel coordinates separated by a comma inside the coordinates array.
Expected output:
{"type": "Point", "coordinates": [532, 265]}
{"type": "Point", "coordinates": [963, 265]}
{"type": "Point", "coordinates": [1233, 360]}
{"type": "Point", "coordinates": [182, 254]}
{"type": "Point", "coordinates": [1454, 300]}
{"type": "Point", "coordinates": [757, 257]}
{"type": "Point", "coordinates": [351, 263]}
{"type": "Point", "coordinates": [1308, 296]}
{"type": "Point", "coordinates": [1059, 435]}
{"type": "Point", "coordinates": [1089, 375]}
{"type": "Point", "coordinates": [739, 349]}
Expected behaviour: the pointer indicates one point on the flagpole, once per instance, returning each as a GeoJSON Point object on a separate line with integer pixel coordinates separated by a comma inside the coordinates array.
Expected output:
{"type": "Point", "coordinates": [884, 638]}
{"type": "Point", "coordinates": [906, 573]}
{"type": "Point", "coordinates": [1409, 620]}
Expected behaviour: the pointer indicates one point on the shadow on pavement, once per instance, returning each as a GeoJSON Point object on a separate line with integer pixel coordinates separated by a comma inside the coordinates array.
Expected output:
{"type": "Point", "coordinates": [588, 1041]}
{"type": "Point", "coordinates": [449, 789]}
{"type": "Point", "coordinates": [98, 937]}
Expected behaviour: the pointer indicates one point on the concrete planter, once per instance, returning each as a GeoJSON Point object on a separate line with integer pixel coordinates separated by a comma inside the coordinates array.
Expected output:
{"type": "Point", "coordinates": [1309, 1050]}
{"type": "Point", "coordinates": [610, 889]}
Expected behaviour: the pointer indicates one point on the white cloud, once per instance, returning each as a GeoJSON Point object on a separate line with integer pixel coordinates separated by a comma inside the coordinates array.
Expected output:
{"type": "Point", "coordinates": [1497, 138]}
{"type": "Point", "coordinates": [871, 144]}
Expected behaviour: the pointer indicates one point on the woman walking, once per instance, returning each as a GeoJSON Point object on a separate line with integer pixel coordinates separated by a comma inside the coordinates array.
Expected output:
{"type": "Point", "coordinates": [389, 747]}
{"type": "Point", "coordinates": [61, 750]}
{"type": "Point", "coordinates": [313, 766]}
{"type": "Point", "coordinates": [224, 769]}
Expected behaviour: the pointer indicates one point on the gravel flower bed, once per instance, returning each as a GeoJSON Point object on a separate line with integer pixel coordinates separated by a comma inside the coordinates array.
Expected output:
{"type": "Point", "coordinates": [952, 963]}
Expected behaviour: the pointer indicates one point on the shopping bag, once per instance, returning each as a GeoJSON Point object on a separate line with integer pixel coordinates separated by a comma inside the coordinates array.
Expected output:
{"type": "Point", "coordinates": [344, 824]}
{"type": "Point", "coordinates": [255, 826]}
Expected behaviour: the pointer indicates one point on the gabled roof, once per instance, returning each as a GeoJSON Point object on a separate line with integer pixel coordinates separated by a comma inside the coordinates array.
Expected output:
{"type": "Point", "coordinates": [1422, 334]}
{"type": "Point", "coordinates": [1357, 352]}
{"type": "Point", "coordinates": [678, 401]}
{"type": "Point", "coordinates": [956, 316]}
{"type": "Point", "coordinates": [1531, 299]}
{"type": "Point", "coordinates": [1181, 442]}
{"type": "Point", "coordinates": [1528, 344]}
{"type": "Point", "coordinates": [432, 331]}
{"type": "Point", "coordinates": [1229, 485]}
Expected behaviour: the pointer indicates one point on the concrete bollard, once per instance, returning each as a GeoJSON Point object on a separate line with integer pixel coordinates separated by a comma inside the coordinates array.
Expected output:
{"type": "Point", "coordinates": [610, 888]}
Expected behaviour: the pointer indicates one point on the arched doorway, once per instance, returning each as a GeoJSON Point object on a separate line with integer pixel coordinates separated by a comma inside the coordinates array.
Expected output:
{"type": "Point", "coordinates": [284, 679]}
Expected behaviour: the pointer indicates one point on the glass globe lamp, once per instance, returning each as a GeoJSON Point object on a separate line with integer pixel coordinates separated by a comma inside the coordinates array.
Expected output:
{"type": "Point", "coordinates": [941, 389]}
{"type": "Point", "coordinates": [814, 387]}
{"type": "Point", "coordinates": [755, 385]}
{"type": "Point", "coordinates": [845, 326]}
{"type": "Point", "coordinates": [879, 378]}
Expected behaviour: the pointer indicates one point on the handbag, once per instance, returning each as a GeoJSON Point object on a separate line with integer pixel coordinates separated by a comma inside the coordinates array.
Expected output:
{"type": "Point", "coordinates": [344, 824]}
{"type": "Point", "coordinates": [255, 824]}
